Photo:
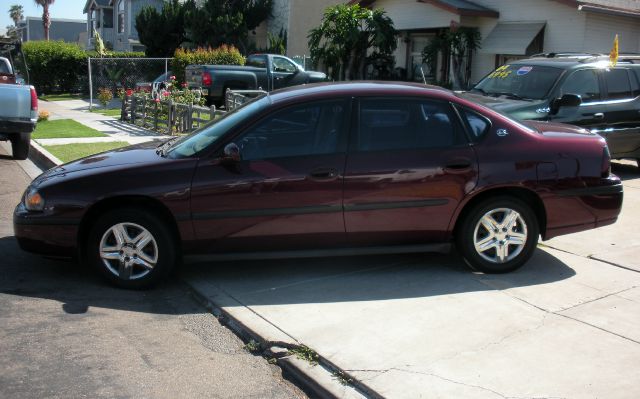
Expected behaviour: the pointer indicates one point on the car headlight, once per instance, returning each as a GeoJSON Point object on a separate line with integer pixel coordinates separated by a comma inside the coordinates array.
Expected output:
{"type": "Point", "coordinates": [33, 201]}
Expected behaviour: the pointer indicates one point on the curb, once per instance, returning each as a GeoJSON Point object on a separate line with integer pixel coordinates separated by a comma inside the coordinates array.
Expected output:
{"type": "Point", "coordinates": [321, 380]}
{"type": "Point", "coordinates": [41, 157]}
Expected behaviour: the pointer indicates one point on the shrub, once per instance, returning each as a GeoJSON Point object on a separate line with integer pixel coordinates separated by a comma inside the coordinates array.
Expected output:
{"type": "Point", "coordinates": [43, 116]}
{"type": "Point", "coordinates": [54, 66]}
{"type": "Point", "coordinates": [105, 96]}
{"type": "Point", "coordinates": [223, 55]}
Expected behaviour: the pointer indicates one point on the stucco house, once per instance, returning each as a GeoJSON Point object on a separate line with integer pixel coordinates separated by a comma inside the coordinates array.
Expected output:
{"type": "Point", "coordinates": [510, 29]}
{"type": "Point", "coordinates": [67, 30]}
{"type": "Point", "coordinates": [114, 20]}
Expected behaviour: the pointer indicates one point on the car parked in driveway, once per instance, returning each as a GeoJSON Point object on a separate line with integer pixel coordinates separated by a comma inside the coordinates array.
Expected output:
{"type": "Point", "coordinates": [333, 169]}
{"type": "Point", "coordinates": [580, 89]}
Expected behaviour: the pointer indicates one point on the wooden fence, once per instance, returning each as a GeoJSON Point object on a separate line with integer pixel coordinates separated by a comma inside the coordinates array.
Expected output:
{"type": "Point", "coordinates": [166, 116]}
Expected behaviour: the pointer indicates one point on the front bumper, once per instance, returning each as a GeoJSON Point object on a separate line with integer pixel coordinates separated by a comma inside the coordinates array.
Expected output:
{"type": "Point", "coordinates": [47, 236]}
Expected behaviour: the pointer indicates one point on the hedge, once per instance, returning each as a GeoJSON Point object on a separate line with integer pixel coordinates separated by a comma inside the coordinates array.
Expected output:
{"type": "Point", "coordinates": [223, 55]}
{"type": "Point", "coordinates": [59, 67]}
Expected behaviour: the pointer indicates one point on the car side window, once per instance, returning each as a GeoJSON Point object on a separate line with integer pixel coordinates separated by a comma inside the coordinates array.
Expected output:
{"type": "Point", "coordinates": [283, 65]}
{"type": "Point", "coordinates": [478, 125]}
{"type": "Point", "coordinates": [392, 124]}
{"type": "Point", "coordinates": [583, 83]}
{"type": "Point", "coordinates": [259, 61]}
{"type": "Point", "coordinates": [308, 129]}
{"type": "Point", "coordinates": [618, 84]}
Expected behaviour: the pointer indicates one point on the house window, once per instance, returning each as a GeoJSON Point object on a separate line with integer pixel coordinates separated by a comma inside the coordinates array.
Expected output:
{"type": "Point", "coordinates": [107, 20]}
{"type": "Point", "coordinates": [94, 21]}
{"type": "Point", "coordinates": [121, 16]}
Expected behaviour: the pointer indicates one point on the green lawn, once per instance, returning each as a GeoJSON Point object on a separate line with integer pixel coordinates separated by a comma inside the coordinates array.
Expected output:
{"type": "Point", "coordinates": [115, 112]}
{"type": "Point", "coordinates": [60, 97]}
{"type": "Point", "coordinates": [63, 128]}
{"type": "Point", "coordinates": [70, 152]}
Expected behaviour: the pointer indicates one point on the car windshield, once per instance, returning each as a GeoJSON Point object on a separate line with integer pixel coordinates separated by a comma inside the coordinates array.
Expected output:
{"type": "Point", "coordinates": [200, 139]}
{"type": "Point", "coordinates": [519, 81]}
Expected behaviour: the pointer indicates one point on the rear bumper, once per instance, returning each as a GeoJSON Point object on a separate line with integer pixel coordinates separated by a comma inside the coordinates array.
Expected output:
{"type": "Point", "coordinates": [578, 209]}
{"type": "Point", "coordinates": [44, 236]}
{"type": "Point", "coordinates": [8, 126]}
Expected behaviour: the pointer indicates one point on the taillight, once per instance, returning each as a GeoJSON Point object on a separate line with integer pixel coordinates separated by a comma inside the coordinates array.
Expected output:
{"type": "Point", "coordinates": [34, 99]}
{"type": "Point", "coordinates": [206, 79]}
{"type": "Point", "coordinates": [606, 162]}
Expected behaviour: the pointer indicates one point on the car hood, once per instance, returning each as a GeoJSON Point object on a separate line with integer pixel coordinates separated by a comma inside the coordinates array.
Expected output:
{"type": "Point", "coordinates": [135, 154]}
{"type": "Point", "coordinates": [316, 75]}
{"type": "Point", "coordinates": [551, 129]}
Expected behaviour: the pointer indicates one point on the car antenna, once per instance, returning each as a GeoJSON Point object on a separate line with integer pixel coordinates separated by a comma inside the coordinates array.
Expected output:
{"type": "Point", "coordinates": [424, 79]}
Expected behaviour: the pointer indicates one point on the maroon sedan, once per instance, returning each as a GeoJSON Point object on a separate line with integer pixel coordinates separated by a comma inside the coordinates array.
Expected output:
{"type": "Point", "coordinates": [331, 169]}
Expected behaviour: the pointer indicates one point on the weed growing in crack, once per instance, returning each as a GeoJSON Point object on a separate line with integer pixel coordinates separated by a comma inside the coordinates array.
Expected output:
{"type": "Point", "coordinates": [342, 377]}
{"type": "Point", "coordinates": [252, 346]}
{"type": "Point", "coordinates": [305, 353]}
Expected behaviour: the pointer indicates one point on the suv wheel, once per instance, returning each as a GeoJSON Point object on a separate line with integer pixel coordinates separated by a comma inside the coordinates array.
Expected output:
{"type": "Point", "coordinates": [498, 235]}
{"type": "Point", "coordinates": [20, 146]}
{"type": "Point", "coordinates": [131, 248]}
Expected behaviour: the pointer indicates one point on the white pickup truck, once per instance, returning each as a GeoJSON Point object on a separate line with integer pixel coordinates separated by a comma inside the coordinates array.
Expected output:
{"type": "Point", "coordinates": [18, 110]}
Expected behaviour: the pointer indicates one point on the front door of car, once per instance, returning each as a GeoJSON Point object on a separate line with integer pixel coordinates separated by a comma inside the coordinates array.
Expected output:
{"type": "Point", "coordinates": [408, 168]}
{"type": "Point", "coordinates": [286, 190]}
{"type": "Point", "coordinates": [591, 113]}
{"type": "Point", "coordinates": [286, 73]}
{"type": "Point", "coordinates": [622, 116]}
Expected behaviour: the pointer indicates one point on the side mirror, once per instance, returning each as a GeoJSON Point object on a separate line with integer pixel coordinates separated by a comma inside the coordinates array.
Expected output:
{"type": "Point", "coordinates": [567, 100]}
{"type": "Point", "coordinates": [232, 153]}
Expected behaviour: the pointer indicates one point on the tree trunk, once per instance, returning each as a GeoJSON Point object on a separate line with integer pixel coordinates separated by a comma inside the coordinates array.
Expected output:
{"type": "Point", "coordinates": [46, 20]}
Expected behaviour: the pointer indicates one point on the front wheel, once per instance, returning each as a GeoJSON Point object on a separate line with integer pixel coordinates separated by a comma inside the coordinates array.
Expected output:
{"type": "Point", "coordinates": [131, 248]}
{"type": "Point", "coordinates": [498, 235]}
{"type": "Point", "coordinates": [20, 146]}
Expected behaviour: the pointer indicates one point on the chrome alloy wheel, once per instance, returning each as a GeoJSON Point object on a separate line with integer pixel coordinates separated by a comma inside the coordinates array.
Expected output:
{"type": "Point", "coordinates": [500, 235]}
{"type": "Point", "coordinates": [129, 251]}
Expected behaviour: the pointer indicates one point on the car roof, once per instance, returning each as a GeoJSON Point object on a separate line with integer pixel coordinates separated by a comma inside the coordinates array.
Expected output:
{"type": "Point", "coordinates": [359, 88]}
{"type": "Point", "coordinates": [572, 61]}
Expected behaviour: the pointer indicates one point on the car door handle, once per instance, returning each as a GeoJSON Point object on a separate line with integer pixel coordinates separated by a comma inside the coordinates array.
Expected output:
{"type": "Point", "coordinates": [458, 165]}
{"type": "Point", "coordinates": [598, 115]}
{"type": "Point", "coordinates": [324, 173]}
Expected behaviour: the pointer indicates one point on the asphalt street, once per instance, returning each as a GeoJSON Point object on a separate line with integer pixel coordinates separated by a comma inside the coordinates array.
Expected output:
{"type": "Point", "coordinates": [64, 333]}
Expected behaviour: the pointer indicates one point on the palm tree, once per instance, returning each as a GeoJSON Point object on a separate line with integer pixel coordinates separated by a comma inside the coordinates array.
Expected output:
{"type": "Point", "coordinates": [46, 20]}
{"type": "Point", "coordinates": [16, 12]}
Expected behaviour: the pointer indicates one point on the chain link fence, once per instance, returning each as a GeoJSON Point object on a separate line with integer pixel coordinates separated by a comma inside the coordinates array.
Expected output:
{"type": "Point", "coordinates": [124, 73]}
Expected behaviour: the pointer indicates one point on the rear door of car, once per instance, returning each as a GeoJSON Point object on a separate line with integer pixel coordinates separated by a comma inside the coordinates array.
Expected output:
{"type": "Point", "coordinates": [622, 116]}
{"type": "Point", "coordinates": [409, 166]}
{"type": "Point", "coordinates": [286, 191]}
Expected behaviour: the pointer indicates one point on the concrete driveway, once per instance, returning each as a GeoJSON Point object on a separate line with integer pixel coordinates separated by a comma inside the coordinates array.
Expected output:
{"type": "Point", "coordinates": [567, 325]}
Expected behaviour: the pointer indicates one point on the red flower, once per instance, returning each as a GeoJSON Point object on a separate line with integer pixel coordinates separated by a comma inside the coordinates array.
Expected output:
{"type": "Point", "coordinates": [166, 94]}
{"type": "Point", "coordinates": [184, 84]}
{"type": "Point", "coordinates": [172, 77]}
{"type": "Point", "coordinates": [129, 92]}
{"type": "Point", "coordinates": [157, 100]}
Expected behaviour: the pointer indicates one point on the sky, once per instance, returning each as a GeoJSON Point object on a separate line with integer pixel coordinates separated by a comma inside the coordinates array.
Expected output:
{"type": "Point", "coordinates": [71, 9]}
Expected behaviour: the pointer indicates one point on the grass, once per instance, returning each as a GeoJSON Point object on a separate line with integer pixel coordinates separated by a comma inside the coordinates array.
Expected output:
{"type": "Point", "coordinates": [115, 112]}
{"type": "Point", "coordinates": [305, 353]}
{"type": "Point", "coordinates": [60, 97]}
{"type": "Point", "coordinates": [70, 152]}
{"type": "Point", "coordinates": [63, 128]}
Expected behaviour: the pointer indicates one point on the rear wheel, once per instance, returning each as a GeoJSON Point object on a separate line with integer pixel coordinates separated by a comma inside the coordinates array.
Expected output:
{"type": "Point", "coordinates": [498, 235]}
{"type": "Point", "coordinates": [131, 248]}
{"type": "Point", "coordinates": [20, 146]}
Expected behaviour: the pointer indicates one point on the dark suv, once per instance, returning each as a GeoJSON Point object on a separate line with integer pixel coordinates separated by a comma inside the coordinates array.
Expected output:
{"type": "Point", "coordinates": [580, 89]}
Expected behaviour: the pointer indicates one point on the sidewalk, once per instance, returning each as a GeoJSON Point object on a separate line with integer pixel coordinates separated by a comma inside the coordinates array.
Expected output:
{"type": "Point", "coordinates": [112, 127]}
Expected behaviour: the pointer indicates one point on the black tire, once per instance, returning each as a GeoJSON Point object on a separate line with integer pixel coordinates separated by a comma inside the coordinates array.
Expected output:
{"type": "Point", "coordinates": [494, 259]}
{"type": "Point", "coordinates": [133, 276]}
{"type": "Point", "coordinates": [20, 146]}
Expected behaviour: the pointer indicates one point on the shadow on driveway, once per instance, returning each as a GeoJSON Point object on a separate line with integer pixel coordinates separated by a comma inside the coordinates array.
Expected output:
{"type": "Point", "coordinates": [290, 281]}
